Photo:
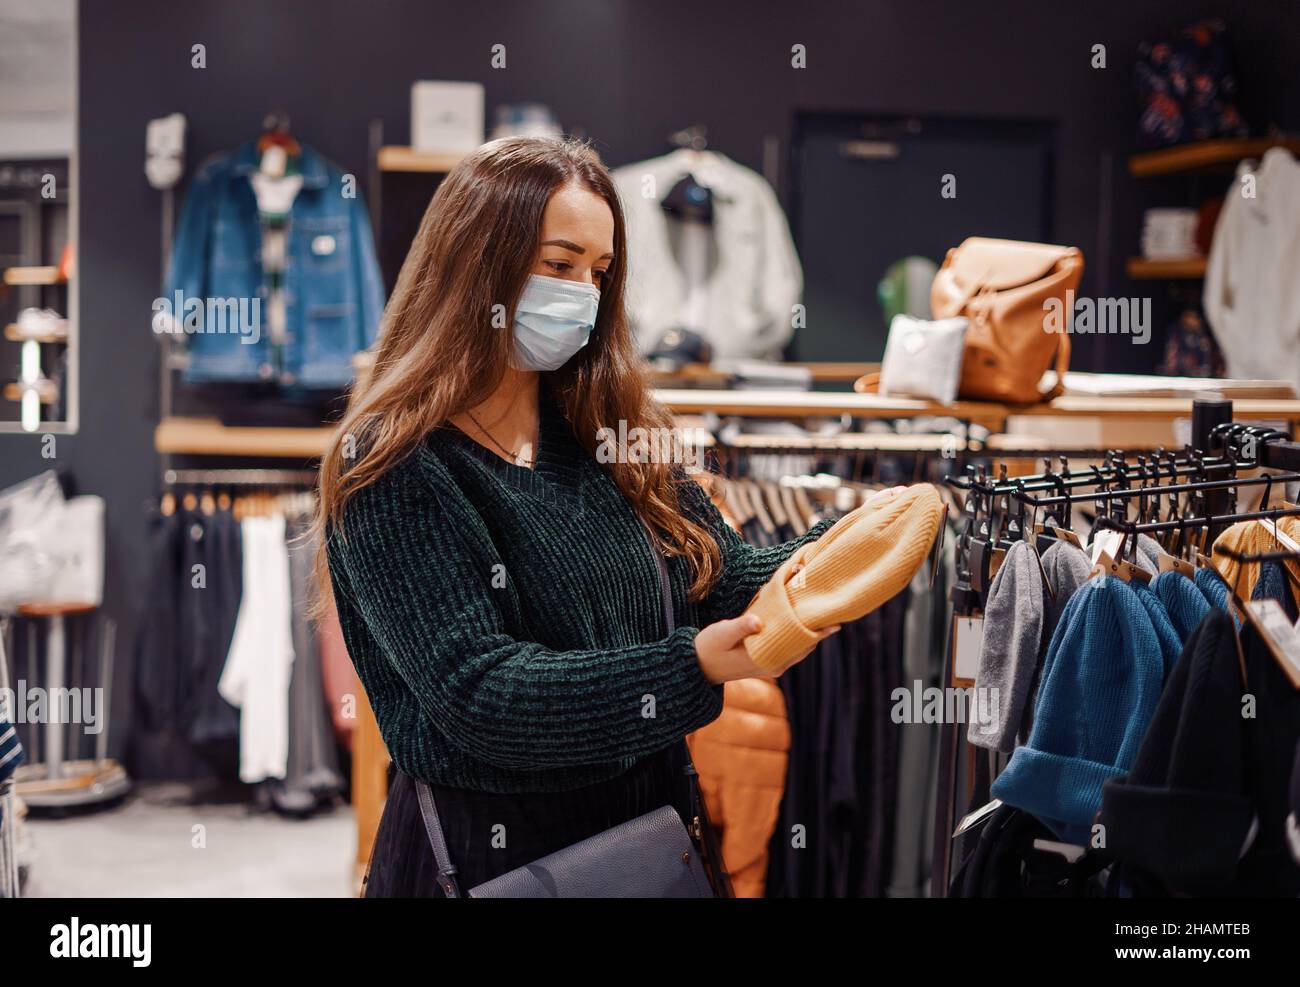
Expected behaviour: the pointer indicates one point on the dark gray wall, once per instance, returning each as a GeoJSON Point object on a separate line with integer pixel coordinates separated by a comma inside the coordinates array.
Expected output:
{"type": "Point", "coordinates": [625, 73]}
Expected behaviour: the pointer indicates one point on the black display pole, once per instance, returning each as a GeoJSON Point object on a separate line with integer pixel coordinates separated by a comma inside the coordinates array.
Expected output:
{"type": "Point", "coordinates": [1207, 415]}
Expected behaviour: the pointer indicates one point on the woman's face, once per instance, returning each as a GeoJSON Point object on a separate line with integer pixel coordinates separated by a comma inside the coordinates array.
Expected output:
{"type": "Point", "coordinates": [577, 241]}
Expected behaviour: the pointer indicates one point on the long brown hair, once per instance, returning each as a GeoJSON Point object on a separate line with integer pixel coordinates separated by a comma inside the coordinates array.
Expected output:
{"type": "Point", "coordinates": [439, 353]}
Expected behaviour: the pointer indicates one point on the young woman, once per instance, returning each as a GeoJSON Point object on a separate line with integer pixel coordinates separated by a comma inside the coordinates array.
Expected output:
{"type": "Point", "coordinates": [494, 580]}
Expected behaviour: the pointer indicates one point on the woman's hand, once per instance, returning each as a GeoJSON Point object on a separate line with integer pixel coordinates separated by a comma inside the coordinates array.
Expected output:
{"type": "Point", "coordinates": [720, 648]}
{"type": "Point", "coordinates": [721, 651]}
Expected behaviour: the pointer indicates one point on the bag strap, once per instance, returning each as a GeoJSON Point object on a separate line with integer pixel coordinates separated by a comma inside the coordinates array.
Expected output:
{"type": "Point", "coordinates": [1062, 364]}
{"type": "Point", "coordinates": [704, 833]}
{"type": "Point", "coordinates": [433, 826]}
{"type": "Point", "coordinates": [665, 587]}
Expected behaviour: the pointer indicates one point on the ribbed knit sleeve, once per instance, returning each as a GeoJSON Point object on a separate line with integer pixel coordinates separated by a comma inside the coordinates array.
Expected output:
{"type": "Point", "coordinates": [413, 561]}
{"type": "Point", "coordinates": [745, 567]}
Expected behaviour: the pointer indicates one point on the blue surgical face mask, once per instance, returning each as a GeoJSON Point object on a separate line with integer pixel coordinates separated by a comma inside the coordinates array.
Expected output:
{"type": "Point", "coordinates": [553, 321]}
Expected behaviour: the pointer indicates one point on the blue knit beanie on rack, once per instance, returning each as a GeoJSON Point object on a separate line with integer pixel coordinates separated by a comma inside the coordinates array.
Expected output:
{"type": "Point", "coordinates": [1184, 602]}
{"type": "Point", "coordinates": [1209, 582]}
{"type": "Point", "coordinates": [1100, 683]}
{"type": "Point", "coordinates": [1171, 643]}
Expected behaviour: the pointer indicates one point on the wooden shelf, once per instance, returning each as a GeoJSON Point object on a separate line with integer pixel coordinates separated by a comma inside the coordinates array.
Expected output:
{"type": "Point", "coordinates": [1243, 409]}
{"type": "Point", "coordinates": [14, 335]}
{"type": "Point", "coordinates": [794, 404]}
{"type": "Point", "coordinates": [57, 609]}
{"type": "Point", "coordinates": [1143, 269]}
{"type": "Point", "coordinates": [1079, 384]}
{"type": "Point", "coordinates": [394, 158]}
{"type": "Point", "coordinates": [839, 373]}
{"type": "Point", "coordinates": [703, 374]}
{"type": "Point", "coordinates": [33, 275]}
{"type": "Point", "coordinates": [208, 437]}
{"type": "Point", "coordinates": [847, 441]}
{"type": "Point", "coordinates": [1205, 155]}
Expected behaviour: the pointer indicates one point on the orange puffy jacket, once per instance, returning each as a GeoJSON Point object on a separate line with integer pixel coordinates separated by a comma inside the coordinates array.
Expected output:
{"type": "Point", "coordinates": [741, 758]}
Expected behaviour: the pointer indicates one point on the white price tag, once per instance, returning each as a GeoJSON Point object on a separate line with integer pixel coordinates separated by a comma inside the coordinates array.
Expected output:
{"type": "Point", "coordinates": [1107, 541]}
{"type": "Point", "coordinates": [973, 819]}
{"type": "Point", "coordinates": [1279, 634]}
{"type": "Point", "coordinates": [969, 638]}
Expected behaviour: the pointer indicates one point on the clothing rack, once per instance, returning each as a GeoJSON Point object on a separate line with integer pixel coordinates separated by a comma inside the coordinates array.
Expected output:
{"type": "Point", "coordinates": [1229, 553]}
{"type": "Point", "coordinates": [1135, 528]}
{"type": "Point", "coordinates": [947, 444]}
{"type": "Point", "coordinates": [1149, 478]}
{"type": "Point", "coordinates": [1185, 463]}
{"type": "Point", "coordinates": [1271, 449]}
{"type": "Point", "coordinates": [1218, 444]}
{"type": "Point", "coordinates": [1155, 490]}
{"type": "Point", "coordinates": [239, 477]}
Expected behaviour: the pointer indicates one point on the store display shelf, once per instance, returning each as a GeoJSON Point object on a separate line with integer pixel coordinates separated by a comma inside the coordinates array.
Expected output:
{"type": "Point", "coordinates": [1205, 155]}
{"type": "Point", "coordinates": [395, 158]}
{"type": "Point", "coordinates": [838, 372]}
{"type": "Point", "coordinates": [847, 442]}
{"type": "Point", "coordinates": [784, 404]}
{"type": "Point", "coordinates": [208, 437]}
{"type": "Point", "coordinates": [33, 275]}
{"type": "Point", "coordinates": [1141, 268]}
{"type": "Point", "coordinates": [1101, 407]}
{"type": "Point", "coordinates": [704, 374]}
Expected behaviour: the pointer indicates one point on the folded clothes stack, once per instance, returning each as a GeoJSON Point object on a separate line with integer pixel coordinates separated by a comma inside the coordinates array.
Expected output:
{"type": "Point", "coordinates": [1169, 234]}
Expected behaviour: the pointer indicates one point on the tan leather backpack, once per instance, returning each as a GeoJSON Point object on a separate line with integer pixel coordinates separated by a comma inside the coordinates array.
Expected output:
{"type": "Point", "coordinates": [1001, 286]}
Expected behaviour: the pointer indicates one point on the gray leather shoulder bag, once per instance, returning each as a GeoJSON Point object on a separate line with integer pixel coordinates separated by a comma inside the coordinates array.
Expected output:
{"type": "Point", "coordinates": [651, 856]}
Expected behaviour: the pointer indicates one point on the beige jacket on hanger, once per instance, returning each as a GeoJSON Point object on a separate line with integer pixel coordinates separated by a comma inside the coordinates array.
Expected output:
{"type": "Point", "coordinates": [755, 278]}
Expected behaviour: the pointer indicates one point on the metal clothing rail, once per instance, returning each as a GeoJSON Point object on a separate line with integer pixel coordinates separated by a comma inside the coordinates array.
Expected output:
{"type": "Point", "coordinates": [1232, 553]}
{"type": "Point", "coordinates": [950, 445]}
{"type": "Point", "coordinates": [1218, 444]}
{"type": "Point", "coordinates": [1135, 528]}
{"type": "Point", "coordinates": [1161, 464]}
{"type": "Point", "coordinates": [1228, 446]}
{"type": "Point", "coordinates": [1157, 490]}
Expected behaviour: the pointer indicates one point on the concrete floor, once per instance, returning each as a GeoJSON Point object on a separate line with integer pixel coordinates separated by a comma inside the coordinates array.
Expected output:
{"type": "Point", "coordinates": [149, 847]}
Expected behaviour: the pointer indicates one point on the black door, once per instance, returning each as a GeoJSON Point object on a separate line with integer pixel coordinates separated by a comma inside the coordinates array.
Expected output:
{"type": "Point", "coordinates": [869, 191]}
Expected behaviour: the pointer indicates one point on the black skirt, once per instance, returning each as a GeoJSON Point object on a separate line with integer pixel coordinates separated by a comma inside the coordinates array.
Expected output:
{"type": "Point", "coordinates": [490, 834]}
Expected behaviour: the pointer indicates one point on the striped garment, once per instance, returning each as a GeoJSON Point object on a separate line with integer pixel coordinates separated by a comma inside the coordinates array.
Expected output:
{"type": "Point", "coordinates": [11, 751]}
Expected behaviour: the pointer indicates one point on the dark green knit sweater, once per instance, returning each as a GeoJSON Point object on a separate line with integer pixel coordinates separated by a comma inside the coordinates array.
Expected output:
{"type": "Point", "coordinates": [507, 623]}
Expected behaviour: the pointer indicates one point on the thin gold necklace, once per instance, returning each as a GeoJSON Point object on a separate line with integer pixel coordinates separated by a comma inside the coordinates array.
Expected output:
{"type": "Point", "coordinates": [516, 457]}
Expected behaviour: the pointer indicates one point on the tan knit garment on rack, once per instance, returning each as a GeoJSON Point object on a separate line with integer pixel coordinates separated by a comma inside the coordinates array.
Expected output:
{"type": "Point", "coordinates": [1252, 538]}
{"type": "Point", "coordinates": [866, 558]}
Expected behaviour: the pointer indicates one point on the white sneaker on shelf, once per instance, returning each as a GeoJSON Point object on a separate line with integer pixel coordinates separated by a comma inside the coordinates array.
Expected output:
{"type": "Point", "coordinates": [45, 387]}
{"type": "Point", "coordinates": [41, 323]}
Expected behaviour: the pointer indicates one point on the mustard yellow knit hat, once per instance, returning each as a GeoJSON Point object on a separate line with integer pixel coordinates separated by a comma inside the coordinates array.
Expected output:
{"type": "Point", "coordinates": [867, 557]}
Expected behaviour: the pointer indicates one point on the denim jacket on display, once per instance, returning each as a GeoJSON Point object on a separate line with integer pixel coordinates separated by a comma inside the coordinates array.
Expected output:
{"type": "Point", "coordinates": [333, 292]}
